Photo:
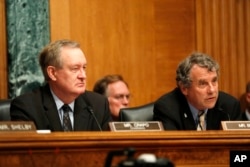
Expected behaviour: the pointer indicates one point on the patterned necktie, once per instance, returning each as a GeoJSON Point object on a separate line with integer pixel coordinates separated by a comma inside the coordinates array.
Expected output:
{"type": "Point", "coordinates": [66, 120]}
{"type": "Point", "coordinates": [201, 121]}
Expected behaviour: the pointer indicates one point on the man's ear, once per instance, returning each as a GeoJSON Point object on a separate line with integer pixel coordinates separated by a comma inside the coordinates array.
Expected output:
{"type": "Point", "coordinates": [184, 90]}
{"type": "Point", "coordinates": [51, 72]}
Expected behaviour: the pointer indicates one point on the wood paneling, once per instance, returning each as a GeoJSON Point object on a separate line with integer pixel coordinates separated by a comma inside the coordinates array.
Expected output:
{"type": "Point", "coordinates": [141, 39]}
{"type": "Point", "coordinates": [223, 32]}
{"type": "Point", "coordinates": [60, 19]}
{"type": "Point", "coordinates": [90, 149]}
{"type": "Point", "coordinates": [144, 40]}
{"type": "Point", "coordinates": [3, 52]}
{"type": "Point", "coordinates": [174, 24]}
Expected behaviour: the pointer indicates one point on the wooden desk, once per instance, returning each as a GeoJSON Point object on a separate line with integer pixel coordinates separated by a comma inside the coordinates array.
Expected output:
{"type": "Point", "coordinates": [89, 149]}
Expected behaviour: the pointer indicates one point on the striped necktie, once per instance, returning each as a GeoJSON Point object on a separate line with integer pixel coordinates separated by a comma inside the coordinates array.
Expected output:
{"type": "Point", "coordinates": [66, 120]}
{"type": "Point", "coordinates": [201, 121]}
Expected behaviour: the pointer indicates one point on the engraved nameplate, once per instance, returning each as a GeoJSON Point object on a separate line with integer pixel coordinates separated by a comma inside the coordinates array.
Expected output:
{"type": "Point", "coordinates": [235, 125]}
{"type": "Point", "coordinates": [136, 126]}
{"type": "Point", "coordinates": [17, 126]}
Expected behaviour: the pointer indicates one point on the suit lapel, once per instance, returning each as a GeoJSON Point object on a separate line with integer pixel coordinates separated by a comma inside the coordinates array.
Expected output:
{"type": "Point", "coordinates": [51, 110]}
{"type": "Point", "coordinates": [186, 114]}
{"type": "Point", "coordinates": [214, 117]}
{"type": "Point", "coordinates": [81, 115]}
{"type": "Point", "coordinates": [189, 122]}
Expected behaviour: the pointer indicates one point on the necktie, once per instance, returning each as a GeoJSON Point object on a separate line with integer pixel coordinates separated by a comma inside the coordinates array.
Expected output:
{"type": "Point", "coordinates": [201, 121]}
{"type": "Point", "coordinates": [66, 120]}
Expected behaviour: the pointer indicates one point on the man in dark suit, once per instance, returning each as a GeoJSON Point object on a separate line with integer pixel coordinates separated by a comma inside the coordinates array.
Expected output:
{"type": "Point", "coordinates": [246, 110]}
{"type": "Point", "coordinates": [64, 67]}
{"type": "Point", "coordinates": [196, 92]}
{"type": "Point", "coordinates": [116, 89]}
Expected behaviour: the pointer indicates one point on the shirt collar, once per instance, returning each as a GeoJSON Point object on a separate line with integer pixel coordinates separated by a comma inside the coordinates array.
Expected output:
{"type": "Point", "coordinates": [195, 111]}
{"type": "Point", "coordinates": [59, 103]}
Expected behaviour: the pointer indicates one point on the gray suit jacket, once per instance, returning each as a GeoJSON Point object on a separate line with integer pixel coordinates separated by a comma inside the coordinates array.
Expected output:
{"type": "Point", "coordinates": [39, 106]}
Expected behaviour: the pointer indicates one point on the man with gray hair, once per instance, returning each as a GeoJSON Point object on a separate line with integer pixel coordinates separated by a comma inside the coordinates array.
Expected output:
{"type": "Point", "coordinates": [196, 96]}
{"type": "Point", "coordinates": [63, 103]}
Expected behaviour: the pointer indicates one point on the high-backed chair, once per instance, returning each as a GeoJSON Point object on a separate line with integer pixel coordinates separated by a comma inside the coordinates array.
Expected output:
{"type": "Point", "coordinates": [140, 113]}
{"type": "Point", "coordinates": [5, 109]}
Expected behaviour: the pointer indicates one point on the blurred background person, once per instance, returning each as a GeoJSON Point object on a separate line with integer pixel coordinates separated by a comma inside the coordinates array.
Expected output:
{"type": "Point", "coordinates": [116, 89]}
{"type": "Point", "coordinates": [246, 110]}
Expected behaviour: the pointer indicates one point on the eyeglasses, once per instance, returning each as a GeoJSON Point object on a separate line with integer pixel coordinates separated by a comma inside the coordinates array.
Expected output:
{"type": "Point", "coordinates": [121, 97]}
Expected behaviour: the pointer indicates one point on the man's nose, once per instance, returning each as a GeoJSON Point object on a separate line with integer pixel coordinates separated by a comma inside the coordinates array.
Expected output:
{"type": "Point", "coordinates": [82, 74]}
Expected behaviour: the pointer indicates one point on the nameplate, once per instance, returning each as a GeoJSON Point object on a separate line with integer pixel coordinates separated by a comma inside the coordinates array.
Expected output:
{"type": "Point", "coordinates": [17, 126]}
{"type": "Point", "coordinates": [136, 126]}
{"type": "Point", "coordinates": [235, 125]}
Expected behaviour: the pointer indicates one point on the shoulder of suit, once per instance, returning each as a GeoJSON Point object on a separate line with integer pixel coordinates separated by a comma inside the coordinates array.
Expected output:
{"type": "Point", "coordinates": [92, 94]}
{"type": "Point", "coordinates": [227, 98]}
{"type": "Point", "coordinates": [169, 94]}
{"type": "Point", "coordinates": [224, 94]}
{"type": "Point", "coordinates": [174, 97]}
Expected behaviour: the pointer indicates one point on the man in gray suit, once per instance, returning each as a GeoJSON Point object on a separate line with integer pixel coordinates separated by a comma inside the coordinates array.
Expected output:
{"type": "Point", "coordinates": [64, 67]}
{"type": "Point", "coordinates": [197, 92]}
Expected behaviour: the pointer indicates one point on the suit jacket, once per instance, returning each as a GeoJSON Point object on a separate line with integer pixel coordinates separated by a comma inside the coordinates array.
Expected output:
{"type": "Point", "coordinates": [39, 106]}
{"type": "Point", "coordinates": [243, 116]}
{"type": "Point", "coordinates": [173, 111]}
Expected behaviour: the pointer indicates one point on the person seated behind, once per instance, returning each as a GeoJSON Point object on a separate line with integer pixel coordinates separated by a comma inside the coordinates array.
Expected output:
{"type": "Point", "coordinates": [63, 64]}
{"type": "Point", "coordinates": [116, 89]}
{"type": "Point", "coordinates": [197, 90]}
{"type": "Point", "coordinates": [246, 112]}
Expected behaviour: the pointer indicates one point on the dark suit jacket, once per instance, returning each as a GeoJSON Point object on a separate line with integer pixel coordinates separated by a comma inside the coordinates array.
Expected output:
{"type": "Point", "coordinates": [39, 106]}
{"type": "Point", "coordinates": [173, 111]}
{"type": "Point", "coordinates": [243, 116]}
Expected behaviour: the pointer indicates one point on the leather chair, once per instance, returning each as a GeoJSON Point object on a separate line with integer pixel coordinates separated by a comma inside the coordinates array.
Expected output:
{"type": "Point", "coordinates": [140, 113]}
{"type": "Point", "coordinates": [5, 109]}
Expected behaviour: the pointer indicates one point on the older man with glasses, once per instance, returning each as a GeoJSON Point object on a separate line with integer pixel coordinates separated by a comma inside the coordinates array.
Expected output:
{"type": "Point", "coordinates": [115, 88]}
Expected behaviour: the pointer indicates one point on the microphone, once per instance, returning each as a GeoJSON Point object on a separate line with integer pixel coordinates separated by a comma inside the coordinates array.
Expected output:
{"type": "Point", "coordinates": [148, 158]}
{"type": "Point", "coordinates": [228, 116]}
{"type": "Point", "coordinates": [129, 152]}
{"type": "Point", "coordinates": [89, 108]}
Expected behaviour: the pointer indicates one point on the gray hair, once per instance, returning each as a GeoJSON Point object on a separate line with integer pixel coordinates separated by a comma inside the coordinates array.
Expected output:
{"type": "Point", "coordinates": [51, 54]}
{"type": "Point", "coordinates": [200, 59]}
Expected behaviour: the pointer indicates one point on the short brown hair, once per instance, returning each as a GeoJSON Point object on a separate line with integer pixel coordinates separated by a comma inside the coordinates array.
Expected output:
{"type": "Point", "coordinates": [102, 84]}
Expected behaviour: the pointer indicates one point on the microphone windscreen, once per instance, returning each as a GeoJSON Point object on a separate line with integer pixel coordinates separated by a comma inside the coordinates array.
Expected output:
{"type": "Point", "coordinates": [149, 158]}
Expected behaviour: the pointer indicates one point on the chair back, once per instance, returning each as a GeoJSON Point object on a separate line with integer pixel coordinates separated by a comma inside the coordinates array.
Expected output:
{"type": "Point", "coordinates": [5, 109]}
{"type": "Point", "coordinates": [140, 113]}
